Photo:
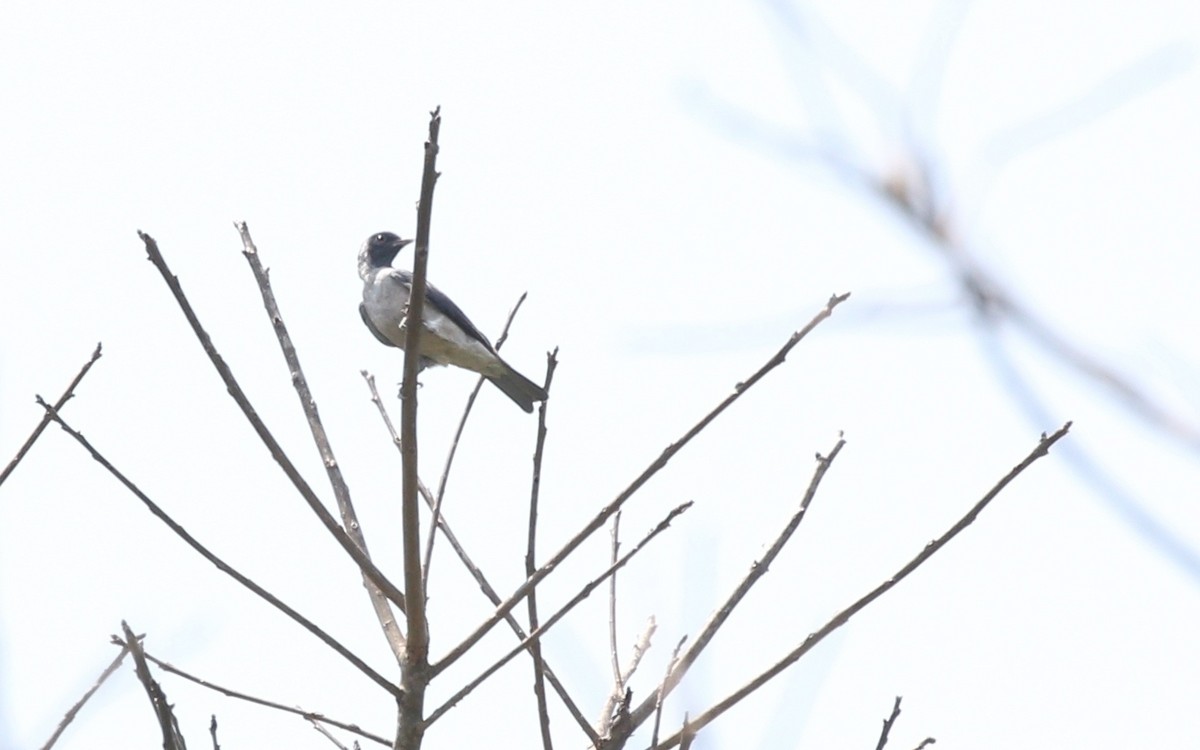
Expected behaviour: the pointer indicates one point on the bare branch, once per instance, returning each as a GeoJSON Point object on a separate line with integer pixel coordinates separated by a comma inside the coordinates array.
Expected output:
{"type": "Point", "coordinates": [415, 672]}
{"type": "Point", "coordinates": [841, 618]}
{"type": "Point", "coordinates": [887, 724]}
{"type": "Point", "coordinates": [484, 586]}
{"type": "Point", "coordinates": [379, 602]}
{"type": "Point", "coordinates": [535, 647]}
{"type": "Point", "coordinates": [757, 571]}
{"type": "Point", "coordinates": [620, 693]}
{"type": "Point", "coordinates": [218, 562]}
{"type": "Point", "coordinates": [614, 506]}
{"type": "Point", "coordinates": [462, 423]}
{"type": "Point", "coordinates": [660, 694]}
{"type": "Point", "coordinates": [613, 650]}
{"type": "Point", "coordinates": [328, 735]}
{"type": "Point", "coordinates": [58, 405]}
{"type": "Point", "coordinates": [212, 730]}
{"type": "Point", "coordinates": [69, 716]}
{"type": "Point", "coordinates": [230, 693]}
{"type": "Point", "coordinates": [235, 391]}
{"type": "Point", "coordinates": [163, 710]}
{"type": "Point", "coordinates": [562, 612]}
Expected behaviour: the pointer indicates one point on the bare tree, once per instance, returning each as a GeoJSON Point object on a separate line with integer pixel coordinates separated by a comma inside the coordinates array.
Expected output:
{"type": "Point", "coordinates": [400, 608]}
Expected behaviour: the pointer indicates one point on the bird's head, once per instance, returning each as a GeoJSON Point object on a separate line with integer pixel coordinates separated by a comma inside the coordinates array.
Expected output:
{"type": "Point", "coordinates": [381, 248]}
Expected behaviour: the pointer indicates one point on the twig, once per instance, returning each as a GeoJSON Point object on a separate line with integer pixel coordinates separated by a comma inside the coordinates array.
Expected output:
{"type": "Point", "coordinates": [218, 562]}
{"type": "Point", "coordinates": [687, 734]}
{"type": "Point", "coordinates": [757, 571]}
{"type": "Point", "coordinates": [379, 602]}
{"type": "Point", "coordinates": [616, 706]}
{"type": "Point", "coordinates": [535, 647]}
{"type": "Point", "coordinates": [659, 694]}
{"type": "Point", "coordinates": [69, 716]}
{"type": "Point", "coordinates": [844, 616]}
{"type": "Point", "coordinates": [59, 404]}
{"type": "Point", "coordinates": [212, 730]}
{"type": "Point", "coordinates": [163, 710]}
{"type": "Point", "coordinates": [613, 650]}
{"type": "Point", "coordinates": [484, 586]}
{"type": "Point", "coordinates": [610, 509]}
{"type": "Point", "coordinates": [639, 650]}
{"type": "Point", "coordinates": [925, 743]}
{"type": "Point", "coordinates": [562, 612]}
{"type": "Point", "coordinates": [235, 391]}
{"type": "Point", "coordinates": [887, 724]}
{"type": "Point", "coordinates": [328, 735]}
{"type": "Point", "coordinates": [230, 693]}
{"type": "Point", "coordinates": [415, 670]}
{"type": "Point", "coordinates": [462, 423]}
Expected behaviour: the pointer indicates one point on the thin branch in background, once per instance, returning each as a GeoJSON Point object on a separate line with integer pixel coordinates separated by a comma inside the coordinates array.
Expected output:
{"type": "Point", "coordinates": [212, 730]}
{"type": "Point", "coordinates": [163, 710]}
{"type": "Point", "coordinates": [231, 693]}
{"type": "Point", "coordinates": [58, 405]}
{"type": "Point", "coordinates": [687, 734]}
{"type": "Point", "coordinates": [925, 743]}
{"type": "Point", "coordinates": [609, 510]}
{"type": "Point", "coordinates": [616, 716]}
{"type": "Point", "coordinates": [414, 672]}
{"type": "Point", "coordinates": [218, 562]}
{"type": "Point", "coordinates": [620, 691]}
{"type": "Point", "coordinates": [69, 716]}
{"type": "Point", "coordinates": [462, 423]}
{"type": "Point", "coordinates": [562, 612]}
{"type": "Point", "coordinates": [235, 391]}
{"type": "Point", "coordinates": [613, 650]}
{"type": "Point", "coordinates": [328, 735]}
{"type": "Point", "coordinates": [887, 724]}
{"type": "Point", "coordinates": [660, 694]}
{"type": "Point", "coordinates": [757, 570]}
{"type": "Point", "coordinates": [480, 578]}
{"type": "Point", "coordinates": [841, 618]}
{"type": "Point", "coordinates": [535, 648]}
{"type": "Point", "coordinates": [639, 650]}
{"type": "Point", "coordinates": [379, 602]}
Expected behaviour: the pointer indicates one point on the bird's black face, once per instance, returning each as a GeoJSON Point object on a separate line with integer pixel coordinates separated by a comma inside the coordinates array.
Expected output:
{"type": "Point", "coordinates": [383, 247]}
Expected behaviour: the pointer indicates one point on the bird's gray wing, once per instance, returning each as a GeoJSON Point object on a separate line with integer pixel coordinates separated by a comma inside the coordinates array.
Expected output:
{"type": "Point", "coordinates": [445, 306]}
{"type": "Point", "coordinates": [362, 310]}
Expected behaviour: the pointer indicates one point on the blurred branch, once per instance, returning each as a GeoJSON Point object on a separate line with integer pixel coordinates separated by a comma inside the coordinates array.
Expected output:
{"type": "Point", "coordinates": [58, 405]}
{"type": "Point", "coordinates": [415, 674]}
{"type": "Point", "coordinates": [535, 647]}
{"type": "Point", "coordinates": [379, 602]}
{"type": "Point", "coordinates": [69, 716]}
{"type": "Point", "coordinates": [614, 506]}
{"type": "Point", "coordinates": [841, 618]}
{"type": "Point", "coordinates": [218, 562]}
{"type": "Point", "coordinates": [235, 391]}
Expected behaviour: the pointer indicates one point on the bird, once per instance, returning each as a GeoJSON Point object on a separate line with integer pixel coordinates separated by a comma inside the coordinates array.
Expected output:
{"type": "Point", "coordinates": [448, 337]}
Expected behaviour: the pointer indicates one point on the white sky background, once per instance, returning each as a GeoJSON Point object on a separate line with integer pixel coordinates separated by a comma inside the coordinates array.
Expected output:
{"type": "Point", "coordinates": [585, 160]}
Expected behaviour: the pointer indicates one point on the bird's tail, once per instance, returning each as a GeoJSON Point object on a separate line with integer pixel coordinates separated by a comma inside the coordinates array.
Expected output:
{"type": "Point", "coordinates": [523, 391]}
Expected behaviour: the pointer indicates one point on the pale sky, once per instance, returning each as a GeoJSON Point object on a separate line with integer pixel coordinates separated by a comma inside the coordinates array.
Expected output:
{"type": "Point", "coordinates": [643, 171]}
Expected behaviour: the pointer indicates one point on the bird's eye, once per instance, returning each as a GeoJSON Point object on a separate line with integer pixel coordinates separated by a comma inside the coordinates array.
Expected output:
{"type": "Point", "coordinates": [380, 237]}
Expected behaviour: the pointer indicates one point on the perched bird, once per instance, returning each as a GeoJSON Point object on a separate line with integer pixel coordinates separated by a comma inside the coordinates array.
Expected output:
{"type": "Point", "coordinates": [448, 337]}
